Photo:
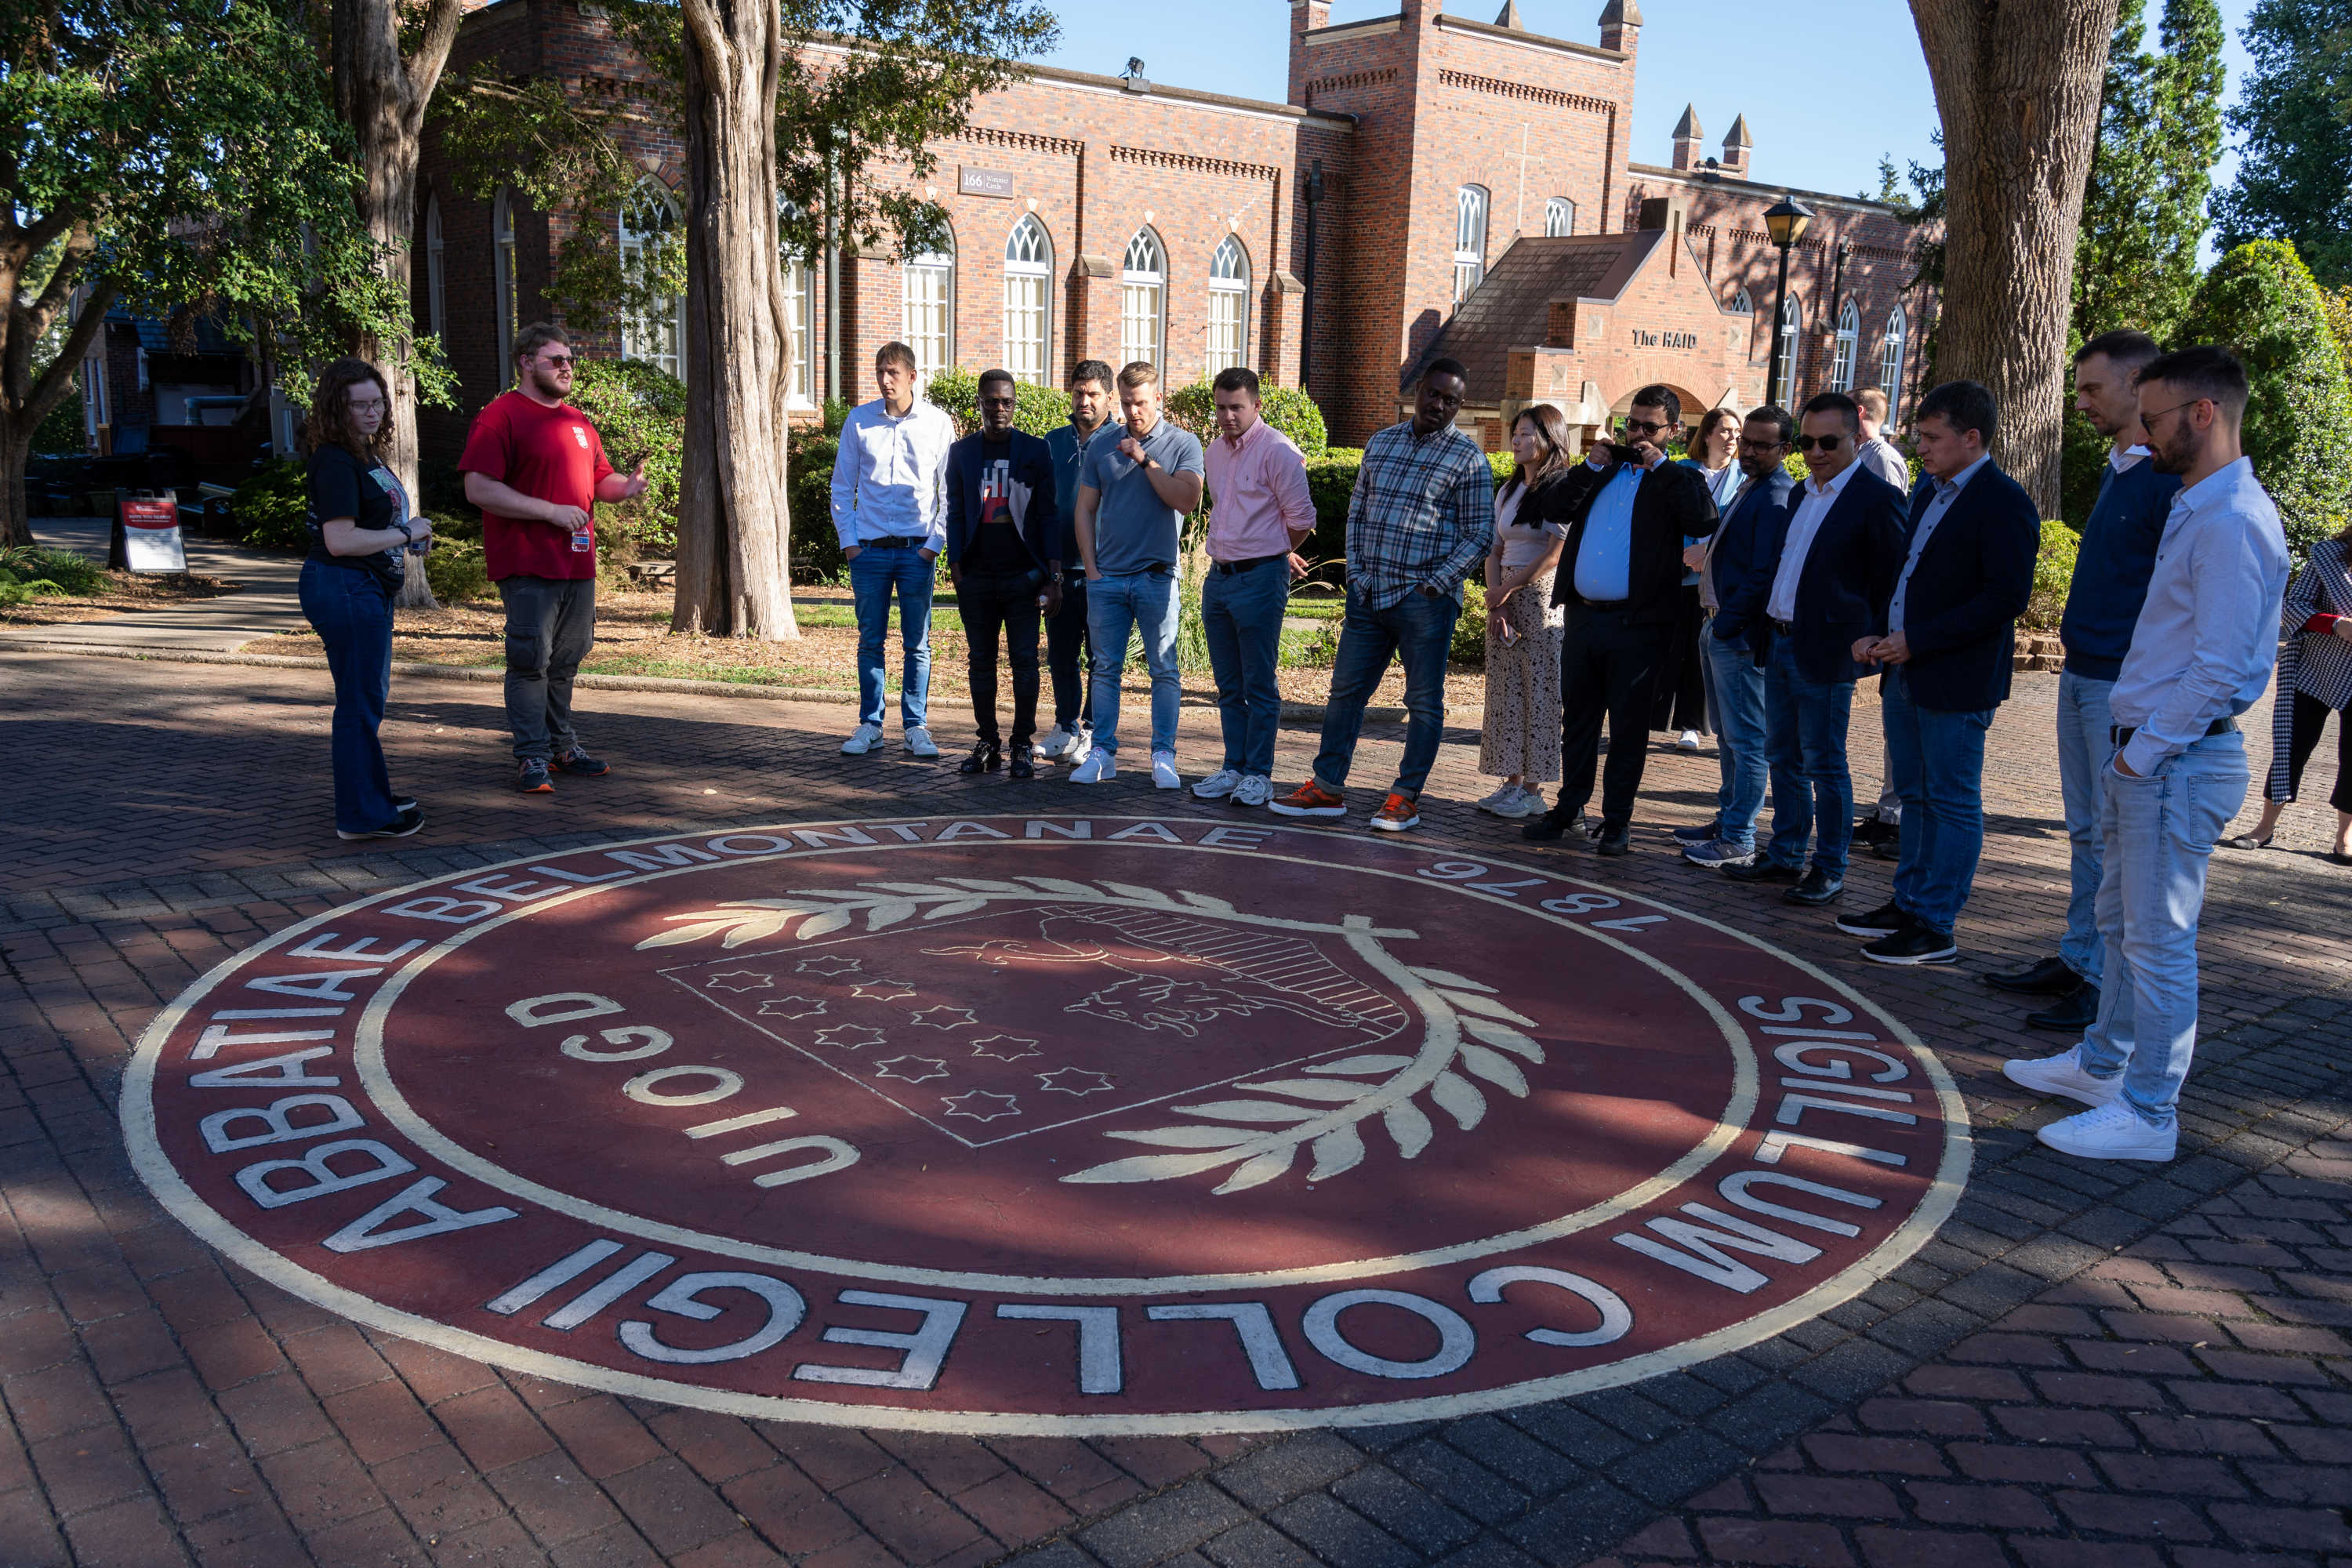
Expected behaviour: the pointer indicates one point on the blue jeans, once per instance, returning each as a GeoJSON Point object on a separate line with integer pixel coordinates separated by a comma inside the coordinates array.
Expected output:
{"type": "Point", "coordinates": [351, 612]}
{"type": "Point", "coordinates": [1804, 744]}
{"type": "Point", "coordinates": [2083, 754]}
{"type": "Point", "coordinates": [1938, 763]}
{"type": "Point", "coordinates": [1145, 601]}
{"type": "Point", "coordinates": [2157, 834]}
{"type": "Point", "coordinates": [1735, 695]}
{"type": "Point", "coordinates": [1241, 617]}
{"type": "Point", "coordinates": [872, 577]}
{"type": "Point", "coordinates": [1417, 631]}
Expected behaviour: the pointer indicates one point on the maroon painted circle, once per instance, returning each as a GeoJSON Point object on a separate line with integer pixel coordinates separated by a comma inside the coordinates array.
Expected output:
{"type": "Point", "coordinates": [1034, 1124]}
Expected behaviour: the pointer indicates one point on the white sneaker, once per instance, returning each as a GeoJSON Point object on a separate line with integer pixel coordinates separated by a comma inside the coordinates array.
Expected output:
{"type": "Point", "coordinates": [1163, 771]}
{"type": "Point", "coordinates": [1082, 744]}
{"type": "Point", "coordinates": [1217, 786]}
{"type": "Point", "coordinates": [1255, 789]}
{"type": "Point", "coordinates": [1055, 742]}
{"type": "Point", "coordinates": [1523, 802]}
{"type": "Point", "coordinates": [918, 742]}
{"type": "Point", "coordinates": [1689, 742]}
{"type": "Point", "coordinates": [2113, 1132]}
{"type": "Point", "coordinates": [1493, 805]}
{"type": "Point", "coordinates": [1097, 768]}
{"type": "Point", "coordinates": [866, 738]}
{"type": "Point", "coordinates": [2063, 1075]}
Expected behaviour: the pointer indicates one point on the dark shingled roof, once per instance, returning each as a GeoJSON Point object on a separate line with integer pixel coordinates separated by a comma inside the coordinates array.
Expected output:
{"type": "Point", "coordinates": [1512, 309]}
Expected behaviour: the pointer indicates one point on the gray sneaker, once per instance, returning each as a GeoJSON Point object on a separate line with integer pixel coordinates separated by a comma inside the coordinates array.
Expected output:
{"type": "Point", "coordinates": [1719, 854]}
{"type": "Point", "coordinates": [1495, 803]}
{"type": "Point", "coordinates": [1255, 789]}
{"type": "Point", "coordinates": [863, 740]}
{"type": "Point", "coordinates": [1524, 802]}
{"type": "Point", "coordinates": [1218, 784]}
{"type": "Point", "coordinates": [918, 742]}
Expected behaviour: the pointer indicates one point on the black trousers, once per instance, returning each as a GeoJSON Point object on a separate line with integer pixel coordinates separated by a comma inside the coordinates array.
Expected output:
{"type": "Point", "coordinates": [1066, 639]}
{"type": "Point", "coordinates": [1680, 701]}
{"type": "Point", "coordinates": [2310, 718]}
{"type": "Point", "coordinates": [1608, 665]}
{"type": "Point", "coordinates": [1006, 605]}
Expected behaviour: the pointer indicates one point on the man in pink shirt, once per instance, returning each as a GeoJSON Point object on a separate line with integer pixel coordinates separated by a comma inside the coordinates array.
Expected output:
{"type": "Point", "coordinates": [1259, 513]}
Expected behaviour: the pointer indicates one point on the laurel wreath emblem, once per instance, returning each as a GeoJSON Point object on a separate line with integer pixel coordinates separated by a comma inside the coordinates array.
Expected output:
{"type": "Point", "coordinates": [1467, 1032]}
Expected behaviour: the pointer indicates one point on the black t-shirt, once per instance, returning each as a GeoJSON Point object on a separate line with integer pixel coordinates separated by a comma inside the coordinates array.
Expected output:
{"type": "Point", "coordinates": [370, 495]}
{"type": "Point", "coordinates": [995, 549]}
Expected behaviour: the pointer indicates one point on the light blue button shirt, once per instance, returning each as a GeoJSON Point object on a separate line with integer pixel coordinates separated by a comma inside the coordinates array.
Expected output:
{"type": "Point", "coordinates": [2207, 633]}
{"type": "Point", "coordinates": [890, 476]}
{"type": "Point", "coordinates": [1604, 559]}
{"type": "Point", "coordinates": [1946, 492]}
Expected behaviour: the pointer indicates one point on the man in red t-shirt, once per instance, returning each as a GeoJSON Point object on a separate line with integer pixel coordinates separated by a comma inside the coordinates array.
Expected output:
{"type": "Point", "coordinates": [535, 465]}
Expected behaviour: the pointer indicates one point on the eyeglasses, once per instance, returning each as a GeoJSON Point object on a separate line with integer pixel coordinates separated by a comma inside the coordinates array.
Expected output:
{"type": "Point", "coordinates": [1826, 443]}
{"type": "Point", "coordinates": [557, 362]}
{"type": "Point", "coordinates": [365, 405]}
{"type": "Point", "coordinates": [1749, 444]}
{"type": "Point", "coordinates": [2145, 416]}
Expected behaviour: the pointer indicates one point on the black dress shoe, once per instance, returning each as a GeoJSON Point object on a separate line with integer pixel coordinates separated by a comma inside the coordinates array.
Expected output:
{"type": "Point", "coordinates": [1870, 830]}
{"type": "Point", "coordinates": [1615, 838]}
{"type": "Point", "coordinates": [2051, 977]}
{"type": "Point", "coordinates": [1889, 847]}
{"type": "Point", "coordinates": [2074, 1013]}
{"type": "Point", "coordinates": [1762, 870]}
{"type": "Point", "coordinates": [1550, 826]}
{"type": "Point", "coordinates": [985, 758]}
{"type": "Point", "coordinates": [1885, 920]}
{"type": "Point", "coordinates": [1023, 763]}
{"type": "Point", "coordinates": [1819, 888]}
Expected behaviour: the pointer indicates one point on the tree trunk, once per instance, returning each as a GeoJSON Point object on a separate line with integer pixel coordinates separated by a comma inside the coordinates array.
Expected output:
{"type": "Point", "coordinates": [2018, 83]}
{"type": "Point", "coordinates": [382, 97]}
{"type": "Point", "coordinates": [28, 398]}
{"type": "Point", "coordinates": [734, 534]}
{"type": "Point", "coordinates": [16, 452]}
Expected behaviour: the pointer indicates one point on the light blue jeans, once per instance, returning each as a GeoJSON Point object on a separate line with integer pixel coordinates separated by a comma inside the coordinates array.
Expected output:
{"type": "Point", "coordinates": [1240, 619]}
{"type": "Point", "coordinates": [872, 577]}
{"type": "Point", "coordinates": [2157, 834]}
{"type": "Point", "coordinates": [1735, 695]}
{"type": "Point", "coordinates": [2082, 754]}
{"type": "Point", "coordinates": [1145, 602]}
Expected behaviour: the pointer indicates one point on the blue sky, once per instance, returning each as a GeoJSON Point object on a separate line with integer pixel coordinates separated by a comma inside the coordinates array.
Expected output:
{"type": "Point", "coordinates": [1827, 90]}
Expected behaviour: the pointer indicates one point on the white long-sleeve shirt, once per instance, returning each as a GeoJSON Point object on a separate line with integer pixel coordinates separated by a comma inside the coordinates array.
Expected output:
{"type": "Point", "coordinates": [890, 477]}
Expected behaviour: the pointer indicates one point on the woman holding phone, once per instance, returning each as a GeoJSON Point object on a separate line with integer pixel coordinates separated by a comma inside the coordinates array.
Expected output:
{"type": "Point", "coordinates": [360, 534]}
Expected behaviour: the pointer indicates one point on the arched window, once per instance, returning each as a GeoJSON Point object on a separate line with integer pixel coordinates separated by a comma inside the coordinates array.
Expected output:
{"type": "Point", "coordinates": [1469, 241]}
{"type": "Point", "coordinates": [800, 311]}
{"type": "Point", "coordinates": [1560, 217]}
{"type": "Point", "coordinates": [655, 331]}
{"type": "Point", "coordinates": [1229, 285]}
{"type": "Point", "coordinates": [931, 309]}
{"type": "Point", "coordinates": [1849, 333]}
{"type": "Point", "coordinates": [437, 291]}
{"type": "Point", "coordinates": [1890, 362]}
{"type": "Point", "coordinates": [1742, 303]}
{"type": "Point", "coordinates": [1784, 354]}
{"type": "Point", "coordinates": [1028, 288]}
{"type": "Point", "coordinates": [505, 299]}
{"type": "Point", "coordinates": [1142, 299]}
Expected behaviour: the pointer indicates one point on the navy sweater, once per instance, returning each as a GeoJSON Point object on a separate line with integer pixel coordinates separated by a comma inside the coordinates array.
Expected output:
{"type": "Point", "coordinates": [2111, 566]}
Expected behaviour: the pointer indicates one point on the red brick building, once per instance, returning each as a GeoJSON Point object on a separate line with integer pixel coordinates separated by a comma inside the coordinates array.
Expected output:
{"type": "Point", "coordinates": [1468, 188]}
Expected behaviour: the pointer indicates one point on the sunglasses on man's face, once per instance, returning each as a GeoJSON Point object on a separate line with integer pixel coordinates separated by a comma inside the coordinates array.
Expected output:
{"type": "Point", "coordinates": [1644, 426]}
{"type": "Point", "coordinates": [1826, 443]}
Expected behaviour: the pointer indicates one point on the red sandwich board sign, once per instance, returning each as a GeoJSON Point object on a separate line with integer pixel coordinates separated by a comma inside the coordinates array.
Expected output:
{"type": "Point", "coordinates": [147, 534]}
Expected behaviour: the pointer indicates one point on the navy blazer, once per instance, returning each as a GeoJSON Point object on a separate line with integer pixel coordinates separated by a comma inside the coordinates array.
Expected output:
{"type": "Point", "coordinates": [1746, 544]}
{"type": "Point", "coordinates": [1034, 518]}
{"type": "Point", "coordinates": [1849, 576]}
{"type": "Point", "coordinates": [1973, 580]}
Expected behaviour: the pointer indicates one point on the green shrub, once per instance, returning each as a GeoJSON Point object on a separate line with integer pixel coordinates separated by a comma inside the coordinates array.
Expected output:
{"type": "Point", "coordinates": [1286, 408]}
{"type": "Point", "coordinates": [639, 409]}
{"type": "Point", "coordinates": [30, 572]}
{"type": "Point", "coordinates": [2054, 574]}
{"type": "Point", "coordinates": [269, 510]}
{"type": "Point", "coordinates": [1470, 628]}
{"type": "Point", "coordinates": [1039, 410]}
{"type": "Point", "coordinates": [456, 569]}
{"type": "Point", "coordinates": [1331, 480]}
{"type": "Point", "coordinates": [808, 493]}
{"type": "Point", "coordinates": [60, 431]}
{"type": "Point", "coordinates": [2260, 300]}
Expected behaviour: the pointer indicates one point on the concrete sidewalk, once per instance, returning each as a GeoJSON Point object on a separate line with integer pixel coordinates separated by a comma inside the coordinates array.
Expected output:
{"type": "Point", "coordinates": [264, 605]}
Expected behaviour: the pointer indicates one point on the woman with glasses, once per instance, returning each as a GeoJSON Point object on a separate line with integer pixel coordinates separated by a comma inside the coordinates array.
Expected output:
{"type": "Point", "coordinates": [1681, 685]}
{"type": "Point", "coordinates": [1519, 741]}
{"type": "Point", "coordinates": [361, 533]}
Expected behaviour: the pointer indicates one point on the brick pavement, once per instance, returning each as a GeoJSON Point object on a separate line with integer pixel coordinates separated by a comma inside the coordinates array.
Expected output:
{"type": "Point", "coordinates": [2033, 1386]}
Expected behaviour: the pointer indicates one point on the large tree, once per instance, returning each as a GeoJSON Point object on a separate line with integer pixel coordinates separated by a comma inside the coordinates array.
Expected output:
{"type": "Point", "coordinates": [2018, 83]}
{"type": "Point", "coordinates": [178, 155]}
{"type": "Point", "coordinates": [2294, 119]}
{"type": "Point", "coordinates": [382, 84]}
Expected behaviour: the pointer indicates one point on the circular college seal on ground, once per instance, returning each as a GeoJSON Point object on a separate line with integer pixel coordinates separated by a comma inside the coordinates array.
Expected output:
{"type": "Point", "coordinates": [1046, 1124]}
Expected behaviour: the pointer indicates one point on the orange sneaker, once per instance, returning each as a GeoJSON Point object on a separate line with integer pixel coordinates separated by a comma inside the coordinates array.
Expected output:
{"type": "Point", "coordinates": [1399, 813]}
{"type": "Point", "coordinates": [1309, 799]}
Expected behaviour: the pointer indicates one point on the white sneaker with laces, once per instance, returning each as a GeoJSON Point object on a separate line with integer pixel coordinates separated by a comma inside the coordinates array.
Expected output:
{"type": "Point", "coordinates": [863, 740]}
{"type": "Point", "coordinates": [1255, 789]}
{"type": "Point", "coordinates": [1055, 741]}
{"type": "Point", "coordinates": [1523, 802]}
{"type": "Point", "coordinates": [1493, 805]}
{"type": "Point", "coordinates": [1082, 744]}
{"type": "Point", "coordinates": [1689, 740]}
{"type": "Point", "coordinates": [1216, 787]}
{"type": "Point", "coordinates": [1097, 768]}
{"type": "Point", "coordinates": [2062, 1074]}
{"type": "Point", "coordinates": [918, 742]}
{"type": "Point", "coordinates": [1163, 771]}
{"type": "Point", "coordinates": [2112, 1131]}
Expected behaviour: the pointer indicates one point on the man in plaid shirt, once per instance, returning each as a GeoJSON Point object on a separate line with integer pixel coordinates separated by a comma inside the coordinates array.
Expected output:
{"type": "Point", "coordinates": [1421, 520]}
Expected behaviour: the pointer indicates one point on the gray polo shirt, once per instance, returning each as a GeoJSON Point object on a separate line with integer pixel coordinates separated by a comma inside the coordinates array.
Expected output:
{"type": "Point", "coordinates": [1134, 528]}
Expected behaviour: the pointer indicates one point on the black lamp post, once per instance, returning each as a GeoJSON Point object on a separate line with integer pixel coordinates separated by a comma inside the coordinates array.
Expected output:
{"type": "Point", "coordinates": [1785, 221]}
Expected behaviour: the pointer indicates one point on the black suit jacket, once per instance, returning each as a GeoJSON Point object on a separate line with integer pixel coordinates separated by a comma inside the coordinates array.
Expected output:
{"type": "Point", "coordinates": [1673, 504]}
{"type": "Point", "coordinates": [1750, 543]}
{"type": "Point", "coordinates": [1974, 577]}
{"type": "Point", "coordinates": [1849, 576]}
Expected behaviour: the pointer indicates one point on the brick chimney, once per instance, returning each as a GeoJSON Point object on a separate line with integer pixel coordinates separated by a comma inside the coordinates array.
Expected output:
{"type": "Point", "coordinates": [1305, 15]}
{"type": "Point", "coordinates": [1620, 24]}
{"type": "Point", "coordinates": [1736, 147]}
{"type": "Point", "coordinates": [1687, 137]}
